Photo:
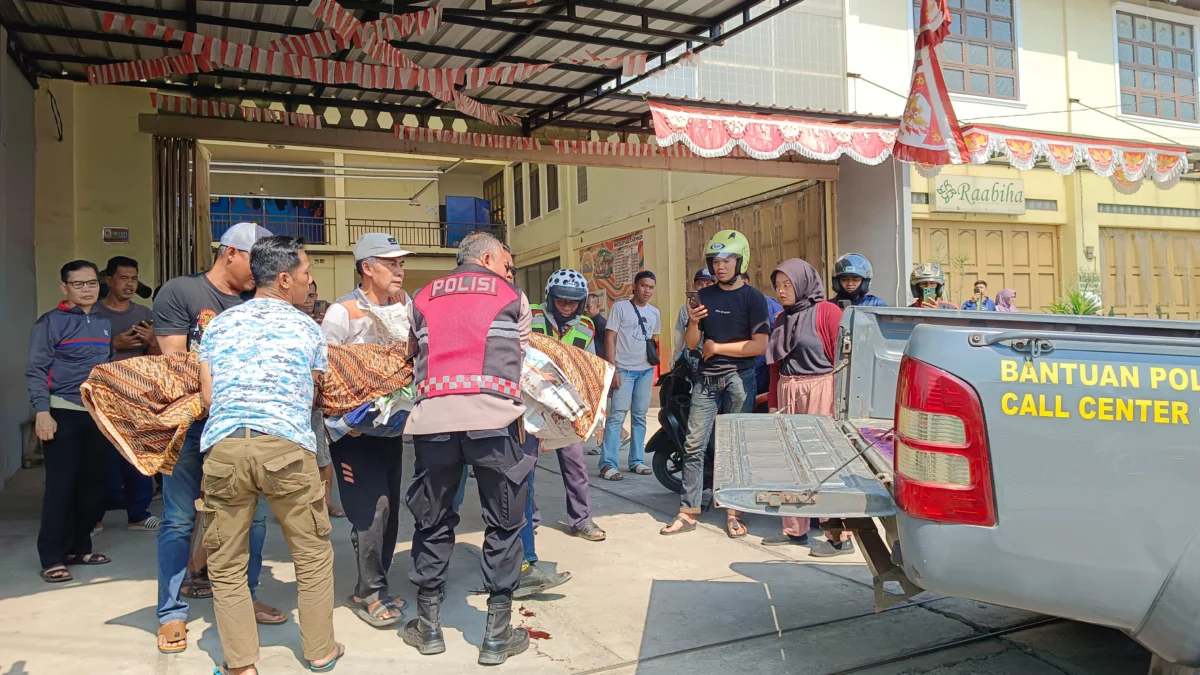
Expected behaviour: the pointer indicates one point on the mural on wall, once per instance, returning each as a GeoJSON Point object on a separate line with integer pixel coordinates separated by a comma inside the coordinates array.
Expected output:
{"type": "Point", "coordinates": [611, 265]}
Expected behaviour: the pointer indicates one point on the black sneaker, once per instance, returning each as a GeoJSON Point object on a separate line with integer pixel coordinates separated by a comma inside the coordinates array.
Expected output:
{"type": "Point", "coordinates": [536, 580]}
{"type": "Point", "coordinates": [824, 549]}
{"type": "Point", "coordinates": [785, 539]}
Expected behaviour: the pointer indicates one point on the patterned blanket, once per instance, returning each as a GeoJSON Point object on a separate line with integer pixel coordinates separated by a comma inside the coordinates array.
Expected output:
{"type": "Point", "coordinates": [590, 375]}
{"type": "Point", "coordinates": [145, 405]}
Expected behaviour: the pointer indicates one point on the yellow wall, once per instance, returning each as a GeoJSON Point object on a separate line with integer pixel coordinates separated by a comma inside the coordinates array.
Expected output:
{"type": "Point", "coordinates": [99, 175]}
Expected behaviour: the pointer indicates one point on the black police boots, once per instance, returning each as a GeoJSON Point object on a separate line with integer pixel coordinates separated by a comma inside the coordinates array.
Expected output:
{"type": "Point", "coordinates": [425, 631]}
{"type": "Point", "coordinates": [500, 639]}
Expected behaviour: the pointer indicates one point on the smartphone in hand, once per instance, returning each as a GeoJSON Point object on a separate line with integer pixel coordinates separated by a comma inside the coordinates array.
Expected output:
{"type": "Point", "coordinates": [693, 299]}
{"type": "Point", "coordinates": [929, 295]}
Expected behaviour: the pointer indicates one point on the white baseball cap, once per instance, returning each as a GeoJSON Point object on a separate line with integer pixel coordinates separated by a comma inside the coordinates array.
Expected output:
{"type": "Point", "coordinates": [243, 235]}
{"type": "Point", "coordinates": [377, 245]}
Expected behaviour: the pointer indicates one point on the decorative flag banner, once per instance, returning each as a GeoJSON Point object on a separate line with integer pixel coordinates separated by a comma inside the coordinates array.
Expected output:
{"type": "Point", "coordinates": [620, 149]}
{"type": "Point", "coordinates": [124, 24]}
{"type": "Point", "coordinates": [336, 17]}
{"type": "Point", "coordinates": [717, 133]}
{"type": "Point", "coordinates": [191, 106]}
{"type": "Point", "coordinates": [469, 106]}
{"type": "Point", "coordinates": [320, 43]}
{"type": "Point", "coordinates": [929, 131]}
{"type": "Point", "coordinates": [1128, 163]}
{"type": "Point", "coordinates": [204, 108]}
{"type": "Point", "coordinates": [132, 71]}
{"type": "Point", "coordinates": [631, 65]}
{"type": "Point", "coordinates": [423, 135]}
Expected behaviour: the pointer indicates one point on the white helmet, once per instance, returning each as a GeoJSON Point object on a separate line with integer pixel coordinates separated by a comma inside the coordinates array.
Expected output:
{"type": "Point", "coordinates": [567, 285]}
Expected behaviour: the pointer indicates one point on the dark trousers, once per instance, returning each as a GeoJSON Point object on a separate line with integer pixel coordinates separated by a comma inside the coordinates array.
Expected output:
{"type": "Point", "coordinates": [76, 468]}
{"type": "Point", "coordinates": [501, 470]}
{"type": "Point", "coordinates": [711, 395]}
{"type": "Point", "coordinates": [127, 488]}
{"type": "Point", "coordinates": [369, 479]}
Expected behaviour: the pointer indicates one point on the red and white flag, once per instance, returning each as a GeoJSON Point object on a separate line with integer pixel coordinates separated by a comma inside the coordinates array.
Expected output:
{"type": "Point", "coordinates": [929, 131]}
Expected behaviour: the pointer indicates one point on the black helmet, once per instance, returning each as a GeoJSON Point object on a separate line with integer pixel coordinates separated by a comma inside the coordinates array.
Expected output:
{"type": "Point", "coordinates": [854, 265]}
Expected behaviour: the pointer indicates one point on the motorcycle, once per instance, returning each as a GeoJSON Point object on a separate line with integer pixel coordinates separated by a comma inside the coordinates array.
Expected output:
{"type": "Point", "coordinates": [675, 403]}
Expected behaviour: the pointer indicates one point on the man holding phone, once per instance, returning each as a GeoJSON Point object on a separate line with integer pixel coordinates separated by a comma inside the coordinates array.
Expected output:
{"type": "Point", "coordinates": [980, 301]}
{"type": "Point", "coordinates": [133, 335]}
{"type": "Point", "coordinates": [927, 283]}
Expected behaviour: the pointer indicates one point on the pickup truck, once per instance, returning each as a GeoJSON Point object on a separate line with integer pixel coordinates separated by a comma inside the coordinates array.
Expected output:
{"type": "Point", "coordinates": [1043, 462]}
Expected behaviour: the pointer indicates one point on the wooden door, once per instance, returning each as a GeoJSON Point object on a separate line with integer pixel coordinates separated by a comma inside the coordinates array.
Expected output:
{"type": "Point", "coordinates": [1024, 258]}
{"type": "Point", "coordinates": [1150, 273]}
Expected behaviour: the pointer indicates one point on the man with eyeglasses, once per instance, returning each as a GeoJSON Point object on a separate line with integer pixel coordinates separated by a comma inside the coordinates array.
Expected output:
{"type": "Point", "coordinates": [183, 309]}
{"type": "Point", "coordinates": [368, 468]}
{"type": "Point", "coordinates": [65, 344]}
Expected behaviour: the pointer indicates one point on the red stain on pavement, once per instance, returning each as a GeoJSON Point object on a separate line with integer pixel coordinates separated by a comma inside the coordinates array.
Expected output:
{"type": "Point", "coordinates": [538, 634]}
{"type": "Point", "coordinates": [525, 612]}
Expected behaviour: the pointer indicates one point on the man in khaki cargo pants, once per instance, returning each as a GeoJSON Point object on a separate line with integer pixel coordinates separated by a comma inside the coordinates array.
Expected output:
{"type": "Point", "coordinates": [257, 365]}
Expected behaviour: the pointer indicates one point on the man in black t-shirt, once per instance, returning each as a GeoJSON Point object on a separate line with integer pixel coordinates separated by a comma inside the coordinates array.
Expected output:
{"type": "Point", "coordinates": [183, 308]}
{"type": "Point", "coordinates": [732, 317]}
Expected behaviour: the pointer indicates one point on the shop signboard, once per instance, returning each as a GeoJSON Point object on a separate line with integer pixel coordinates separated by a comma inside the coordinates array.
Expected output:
{"type": "Point", "coordinates": [971, 194]}
{"type": "Point", "coordinates": [610, 266]}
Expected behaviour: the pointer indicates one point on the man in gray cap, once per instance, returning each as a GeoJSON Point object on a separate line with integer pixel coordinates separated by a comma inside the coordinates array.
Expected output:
{"type": "Point", "coordinates": [368, 468]}
{"type": "Point", "coordinates": [182, 310]}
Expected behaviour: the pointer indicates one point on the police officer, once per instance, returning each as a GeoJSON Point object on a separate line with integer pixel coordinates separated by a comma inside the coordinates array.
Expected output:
{"type": "Point", "coordinates": [470, 330]}
{"type": "Point", "coordinates": [561, 317]}
{"type": "Point", "coordinates": [852, 282]}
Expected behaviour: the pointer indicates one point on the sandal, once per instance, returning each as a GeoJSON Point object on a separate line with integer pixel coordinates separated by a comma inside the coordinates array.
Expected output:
{"type": "Point", "coordinates": [150, 524]}
{"type": "Point", "coordinates": [341, 651]}
{"type": "Point", "coordinates": [685, 527]}
{"type": "Point", "coordinates": [197, 587]}
{"type": "Point", "coordinates": [732, 525]}
{"type": "Point", "coordinates": [335, 512]}
{"type": "Point", "coordinates": [173, 631]}
{"type": "Point", "coordinates": [88, 559]}
{"type": "Point", "coordinates": [641, 469]}
{"type": "Point", "coordinates": [274, 616]}
{"type": "Point", "coordinates": [376, 617]}
{"type": "Point", "coordinates": [56, 574]}
{"type": "Point", "coordinates": [611, 473]}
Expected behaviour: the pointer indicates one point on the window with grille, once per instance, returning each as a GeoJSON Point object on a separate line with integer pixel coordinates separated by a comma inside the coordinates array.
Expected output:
{"type": "Point", "coordinates": [535, 192]}
{"type": "Point", "coordinates": [532, 278]}
{"type": "Point", "coordinates": [979, 57]}
{"type": "Point", "coordinates": [493, 192]}
{"type": "Point", "coordinates": [581, 184]}
{"type": "Point", "coordinates": [1157, 68]}
{"type": "Point", "coordinates": [551, 188]}
{"type": "Point", "coordinates": [518, 195]}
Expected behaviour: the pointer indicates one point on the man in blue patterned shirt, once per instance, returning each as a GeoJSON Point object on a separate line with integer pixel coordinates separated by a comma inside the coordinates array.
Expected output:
{"type": "Point", "coordinates": [258, 362]}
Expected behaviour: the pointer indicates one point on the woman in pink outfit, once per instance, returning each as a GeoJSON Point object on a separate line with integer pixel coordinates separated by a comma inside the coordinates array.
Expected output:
{"type": "Point", "coordinates": [1006, 301]}
{"type": "Point", "coordinates": [801, 354]}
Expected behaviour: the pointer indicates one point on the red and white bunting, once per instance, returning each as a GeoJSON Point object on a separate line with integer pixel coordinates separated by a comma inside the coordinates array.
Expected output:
{"type": "Point", "coordinates": [125, 24]}
{"type": "Point", "coordinates": [252, 114]}
{"type": "Point", "coordinates": [516, 72]}
{"type": "Point", "coordinates": [423, 135]}
{"type": "Point", "coordinates": [191, 106]}
{"type": "Point", "coordinates": [320, 43]}
{"type": "Point", "coordinates": [336, 17]}
{"type": "Point", "coordinates": [469, 106]}
{"type": "Point", "coordinates": [631, 65]}
{"type": "Point", "coordinates": [149, 69]}
{"type": "Point", "coordinates": [402, 26]}
{"type": "Point", "coordinates": [619, 149]}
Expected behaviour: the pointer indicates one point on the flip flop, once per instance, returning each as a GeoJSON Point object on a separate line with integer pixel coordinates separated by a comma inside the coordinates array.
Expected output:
{"type": "Point", "coordinates": [687, 527]}
{"type": "Point", "coordinates": [49, 577]}
{"type": "Point", "coordinates": [329, 666]}
{"type": "Point", "coordinates": [277, 618]}
{"type": "Point", "coordinates": [609, 473]}
{"type": "Point", "coordinates": [735, 523]}
{"type": "Point", "coordinates": [375, 618]}
{"type": "Point", "coordinates": [641, 470]}
{"type": "Point", "coordinates": [88, 559]}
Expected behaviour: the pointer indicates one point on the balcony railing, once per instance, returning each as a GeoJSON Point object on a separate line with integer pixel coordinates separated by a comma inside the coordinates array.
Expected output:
{"type": "Point", "coordinates": [414, 233]}
{"type": "Point", "coordinates": [321, 231]}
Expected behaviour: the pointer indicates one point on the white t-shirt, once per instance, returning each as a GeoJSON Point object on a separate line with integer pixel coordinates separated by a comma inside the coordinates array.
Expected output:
{"type": "Point", "coordinates": [631, 337]}
{"type": "Point", "coordinates": [340, 329]}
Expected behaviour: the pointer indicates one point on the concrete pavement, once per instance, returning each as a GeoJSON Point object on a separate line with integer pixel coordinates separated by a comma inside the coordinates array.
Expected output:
{"type": "Point", "coordinates": [639, 603]}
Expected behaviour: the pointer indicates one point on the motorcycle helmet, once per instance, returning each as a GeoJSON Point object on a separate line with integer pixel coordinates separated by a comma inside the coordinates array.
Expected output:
{"type": "Point", "coordinates": [927, 272]}
{"type": "Point", "coordinates": [725, 244]}
{"type": "Point", "coordinates": [852, 265]}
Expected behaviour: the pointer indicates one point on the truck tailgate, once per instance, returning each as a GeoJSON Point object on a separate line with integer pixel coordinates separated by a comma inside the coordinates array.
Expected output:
{"type": "Point", "coordinates": [771, 464]}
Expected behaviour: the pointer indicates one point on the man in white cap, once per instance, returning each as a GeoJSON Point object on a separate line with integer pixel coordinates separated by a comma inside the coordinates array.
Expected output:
{"type": "Point", "coordinates": [182, 310]}
{"type": "Point", "coordinates": [368, 468]}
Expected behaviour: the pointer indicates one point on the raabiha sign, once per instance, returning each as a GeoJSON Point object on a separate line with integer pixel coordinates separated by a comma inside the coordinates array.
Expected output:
{"type": "Point", "coordinates": [966, 194]}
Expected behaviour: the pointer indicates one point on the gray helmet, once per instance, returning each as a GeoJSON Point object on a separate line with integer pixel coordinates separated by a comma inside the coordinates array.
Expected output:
{"type": "Point", "coordinates": [926, 272]}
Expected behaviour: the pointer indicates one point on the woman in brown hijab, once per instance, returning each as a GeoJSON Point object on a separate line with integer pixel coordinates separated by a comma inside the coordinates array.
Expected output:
{"type": "Point", "coordinates": [801, 354]}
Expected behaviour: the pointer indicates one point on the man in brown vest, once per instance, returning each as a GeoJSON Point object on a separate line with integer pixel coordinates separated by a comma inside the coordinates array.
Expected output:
{"type": "Point", "coordinates": [469, 333]}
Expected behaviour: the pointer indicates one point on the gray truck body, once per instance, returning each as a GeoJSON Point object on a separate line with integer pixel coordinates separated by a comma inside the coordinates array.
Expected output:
{"type": "Point", "coordinates": [1095, 480]}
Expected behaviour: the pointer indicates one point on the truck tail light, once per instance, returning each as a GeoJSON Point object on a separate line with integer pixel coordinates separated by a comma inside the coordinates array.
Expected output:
{"type": "Point", "coordinates": [943, 469]}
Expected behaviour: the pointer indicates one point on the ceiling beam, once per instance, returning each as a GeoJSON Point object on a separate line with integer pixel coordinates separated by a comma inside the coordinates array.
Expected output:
{"type": "Point", "coordinates": [575, 19]}
{"type": "Point", "coordinates": [594, 95]}
{"type": "Point", "coordinates": [582, 38]}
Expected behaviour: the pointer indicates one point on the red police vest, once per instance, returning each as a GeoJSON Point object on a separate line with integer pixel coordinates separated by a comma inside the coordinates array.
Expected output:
{"type": "Point", "coordinates": [467, 337]}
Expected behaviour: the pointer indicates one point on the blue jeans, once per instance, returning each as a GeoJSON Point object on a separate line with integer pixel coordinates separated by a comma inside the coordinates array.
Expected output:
{"type": "Point", "coordinates": [528, 545]}
{"type": "Point", "coordinates": [632, 396]}
{"type": "Point", "coordinates": [720, 394]}
{"type": "Point", "coordinates": [180, 491]}
{"type": "Point", "coordinates": [128, 488]}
